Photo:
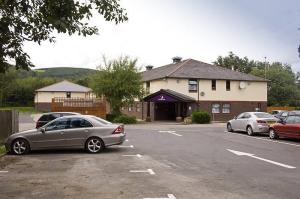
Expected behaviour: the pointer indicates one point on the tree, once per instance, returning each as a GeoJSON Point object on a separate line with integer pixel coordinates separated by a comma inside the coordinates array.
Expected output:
{"type": "Point", "coordinates": [236, 63]}
{"type": "Point", "coordinates": [119, 81]}
{"type": "Point", "coordinates": [37, 20]}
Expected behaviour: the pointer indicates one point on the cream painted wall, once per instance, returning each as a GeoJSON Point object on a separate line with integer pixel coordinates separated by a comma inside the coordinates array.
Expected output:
{"type": "Point", "coordinates": [254, 91]}
{"type": "Point", "coordinates": [46, 97]}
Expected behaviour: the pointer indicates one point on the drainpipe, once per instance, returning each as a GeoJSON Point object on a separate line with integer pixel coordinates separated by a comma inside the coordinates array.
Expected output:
{"type": "Point", "coordinates": [198, 94]}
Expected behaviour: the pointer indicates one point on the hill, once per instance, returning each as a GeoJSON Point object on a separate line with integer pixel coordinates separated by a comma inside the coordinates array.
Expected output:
{"type": "Point", "coordinates": [58, 72]}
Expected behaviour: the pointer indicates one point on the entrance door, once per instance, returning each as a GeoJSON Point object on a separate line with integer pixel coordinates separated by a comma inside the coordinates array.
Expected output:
{"type": "Point", "coordinates": [165, 111]}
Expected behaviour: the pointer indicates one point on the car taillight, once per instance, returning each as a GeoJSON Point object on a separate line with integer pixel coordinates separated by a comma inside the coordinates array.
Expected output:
{"type": "Point", "coordinates": [261, 121]}
{"type": "Point", "coordinates": [118, 130]}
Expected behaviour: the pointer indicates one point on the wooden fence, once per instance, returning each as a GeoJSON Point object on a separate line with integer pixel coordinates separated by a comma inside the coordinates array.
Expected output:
{"type": "Point", "coordinates": [85, 106]}
{"type": "Point", "coordinates": [9, 123]}
{"type": "Point", "coordinates": [288, 108]}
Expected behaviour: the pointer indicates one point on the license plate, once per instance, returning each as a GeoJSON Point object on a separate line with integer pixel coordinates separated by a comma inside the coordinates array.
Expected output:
{"type": "Point", "coordinates": [271, 122]}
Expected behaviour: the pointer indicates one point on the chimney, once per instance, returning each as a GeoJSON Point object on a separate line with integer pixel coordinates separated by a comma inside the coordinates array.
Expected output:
{"type": "Point", "coordinates": [176, 59]}
{"type": "Point", "coordinates": [149, 67]}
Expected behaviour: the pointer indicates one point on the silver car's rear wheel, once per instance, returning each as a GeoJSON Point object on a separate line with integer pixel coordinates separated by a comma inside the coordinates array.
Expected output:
{"type": "Point", "coordinates": [273, 134]}
{"type": "Point", "coordinates": [94, 145]}
{"type": "Point", "coordinates": [20, 147]}
{"type": "Point", "coordinates": [250, 131]}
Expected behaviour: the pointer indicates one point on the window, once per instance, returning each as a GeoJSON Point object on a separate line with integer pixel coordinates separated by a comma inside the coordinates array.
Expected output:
{"type": "Point", "coordinates": [263, 115]}
{"type": "Point", "coordinates": [227, 85]}
{"type": "Point", "coordinates": [102, 121]}
{"type": "Point", "coordinates": [290, 120]}
{"type": "Point", "coordinates": [80, 123]}
{"type": "Point", "coordinates": [213, 85]}
{"type": "Point", "coordinates": [130, 108]}
{"type": "Point", "coordinates": [58, 125]}
{"type": "Point", "coordinates": [148, 87]}
{"type": "Point", "coordinates": [138, 107]}
{"type": "Point", "coordinates": [68, 94]}
{"type": "Point", "coordinates": [193, 85]}
{"type": "Point", "coordinates": [215, 108]}
{"type": "Point", "coordinates": [226, 108]}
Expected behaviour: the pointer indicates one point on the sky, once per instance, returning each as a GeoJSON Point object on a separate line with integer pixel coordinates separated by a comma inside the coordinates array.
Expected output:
{"type": "Point", "coordinates": [158, 30]}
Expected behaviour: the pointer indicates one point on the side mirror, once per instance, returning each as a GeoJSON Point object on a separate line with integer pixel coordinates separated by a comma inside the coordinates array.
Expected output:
{"type": "Point", "coordinates": [282, 121]}
{"type": "Point", "coordinates": [43, 130]}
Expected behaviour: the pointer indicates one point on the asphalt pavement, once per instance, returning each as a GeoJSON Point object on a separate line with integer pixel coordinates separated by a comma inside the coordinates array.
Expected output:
{"type": "Point", "coordinates": [161, 161]}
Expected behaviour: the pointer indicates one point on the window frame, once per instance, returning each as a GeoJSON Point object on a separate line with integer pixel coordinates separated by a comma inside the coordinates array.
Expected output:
{"type": "Point", "coordinates": [212, 108]}
{"type": "Point", "coordinates": [228, 85]}
{"type": "Point", "coordinates": [193, 82]}
{"type": "Point", "coordinates": [229, 108]}
{"type": "Point", "coordinates": [213, 85]}
{"type": "Point", "coordinates": [68, 94]}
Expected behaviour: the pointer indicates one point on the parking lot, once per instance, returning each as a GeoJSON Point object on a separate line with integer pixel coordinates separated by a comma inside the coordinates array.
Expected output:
{"type": "Point", "coordinates": [161, 161]}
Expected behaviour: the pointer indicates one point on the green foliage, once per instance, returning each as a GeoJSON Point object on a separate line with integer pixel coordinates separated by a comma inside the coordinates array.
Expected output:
{"type": "Point", "coordinates": [119, 81]}
{"type": "Point", "coordinates": [38, 20]}
{"type": "Point", "coordinates": [282, 87]}
{"type": "Point", "coordinates": [110, 117]}
{"type": "Point", "coordinates": [2, 149]}
{"type": "Point", "coordinates": [20, 109]}
{"type": "Point", "coordinates": [125, 119]}
{"type": "Point", "coordinates": [17, 87]}
{"type": "Point", "coordinates": [200, 117]}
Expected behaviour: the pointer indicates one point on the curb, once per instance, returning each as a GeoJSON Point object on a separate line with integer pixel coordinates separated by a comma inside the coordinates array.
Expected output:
{"type": "Point", "coordinates": [2, 155]}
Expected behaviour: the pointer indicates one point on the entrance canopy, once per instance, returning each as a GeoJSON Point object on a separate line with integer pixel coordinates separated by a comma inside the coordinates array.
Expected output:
{"type": "Point", "coordinates": [166, 95]}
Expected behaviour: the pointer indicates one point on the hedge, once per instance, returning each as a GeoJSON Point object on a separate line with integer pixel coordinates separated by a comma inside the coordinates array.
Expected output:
{"type": "Point", "coordinates": [200, 117]}
{"type": "Point", "coordinates": [125, 119]}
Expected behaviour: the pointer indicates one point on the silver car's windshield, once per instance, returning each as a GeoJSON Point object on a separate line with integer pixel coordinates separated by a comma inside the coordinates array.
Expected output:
{"type": "Point", "coordinates": [102, 121]}
{"type": "Point", "coordinates": [263, 115]}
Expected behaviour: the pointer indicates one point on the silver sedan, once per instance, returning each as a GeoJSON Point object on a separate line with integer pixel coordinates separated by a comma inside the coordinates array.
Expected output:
{"type": "Point", "coordinates": [78, 131]}
{"type": "Point", "coordinates": [251, 122]}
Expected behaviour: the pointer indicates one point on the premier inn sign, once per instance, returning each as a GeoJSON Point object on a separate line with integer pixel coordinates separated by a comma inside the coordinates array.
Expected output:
{"type": "Point", "coordinates": [162, 98]}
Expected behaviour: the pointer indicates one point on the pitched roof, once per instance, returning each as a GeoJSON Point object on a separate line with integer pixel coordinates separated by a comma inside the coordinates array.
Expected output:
{"type": "Point", "coordinates": [65, 86]}
{"type": "Point", "coordinates": [191, 68]}
{"type": "Point", "coordinates": [178, 96]}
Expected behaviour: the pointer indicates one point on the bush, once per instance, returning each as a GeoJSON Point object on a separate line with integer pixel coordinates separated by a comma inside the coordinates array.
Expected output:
{"type": "Point", "coordinates": [110, 117]}
{"type": "Point", "coordinates": [125, 119]}
{"type": "Point", "coordinates": [200, 117]}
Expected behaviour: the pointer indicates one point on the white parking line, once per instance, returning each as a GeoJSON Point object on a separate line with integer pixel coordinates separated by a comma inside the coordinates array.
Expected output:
{"type": "Point", "coordinates": [171, 132]}
{"type": "Point", "coordinates": [3, 171]}
{"type": "Point", "coordinates": [269, 140]}
{"type": "Point", "coordinates": [137, 155]}
{"type": "Point", "coordinates": [150, 171]}
{"type": "Point", "coordinates": [121, 146]}
{"type": "Point", "coordinates": [170, 196]}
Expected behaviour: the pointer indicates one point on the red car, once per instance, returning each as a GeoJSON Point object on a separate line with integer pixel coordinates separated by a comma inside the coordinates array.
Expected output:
{"type": "Point", "coordinates": [287, 128]}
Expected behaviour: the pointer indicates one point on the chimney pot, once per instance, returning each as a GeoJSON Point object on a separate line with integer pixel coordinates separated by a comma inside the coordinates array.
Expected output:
{"type": "Point", "coordinates": [176, 59]}
{"type": "Point", "coordinates": [149, 67]}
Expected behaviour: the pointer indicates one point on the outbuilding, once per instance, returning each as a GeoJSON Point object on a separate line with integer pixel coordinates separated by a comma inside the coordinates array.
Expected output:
{"type": "Point", "coordinates": [64, 89]}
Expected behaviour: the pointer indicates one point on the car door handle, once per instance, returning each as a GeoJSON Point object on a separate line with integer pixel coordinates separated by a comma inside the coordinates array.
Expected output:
{"type": "Point", "coordinates": [86, 130]}
{"type": "Point", "coordinates": [62, 132]}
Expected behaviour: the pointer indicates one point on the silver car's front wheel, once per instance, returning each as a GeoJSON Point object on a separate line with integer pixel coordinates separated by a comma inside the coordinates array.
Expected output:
{"type": "Point", "coordinates": [94, 145]}
{"type": "Point", "coordinates": [20, 147]}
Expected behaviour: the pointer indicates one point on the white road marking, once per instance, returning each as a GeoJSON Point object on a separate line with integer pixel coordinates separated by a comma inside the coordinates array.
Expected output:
{"type": "Point", "coordinates": [170, 196]}
{"type": "Point", "coordinates": [121, 146]}
{"type": "Point", "coordinates": [150, 171]}
{"type": "Point", "coordinates": [137, 155]}
{"type": "Point", "coordinates": [3, 171]}
{"type": "Point", "coordinates": [171, 132]}
{"type": "Point", "coordinates": [269, 140]}
{"type": "Point", "coordinates": [126, 140]}
{"type": "Point", "coordinates": [239, 153]}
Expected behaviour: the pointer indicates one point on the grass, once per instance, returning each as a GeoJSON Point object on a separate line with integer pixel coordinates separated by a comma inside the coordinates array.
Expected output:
{"type": "Point", "coordinates": [2, 149]}
{"type": "Point", "coordinates": [20, 109]}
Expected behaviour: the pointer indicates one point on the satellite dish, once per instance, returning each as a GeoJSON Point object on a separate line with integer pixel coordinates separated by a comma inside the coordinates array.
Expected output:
{"type": "Point", "coordinates": [242, 85]}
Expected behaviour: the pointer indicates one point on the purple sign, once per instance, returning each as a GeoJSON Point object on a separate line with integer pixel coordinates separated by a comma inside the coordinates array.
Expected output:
{"type": "Point", "coordinates": [162, 98]}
